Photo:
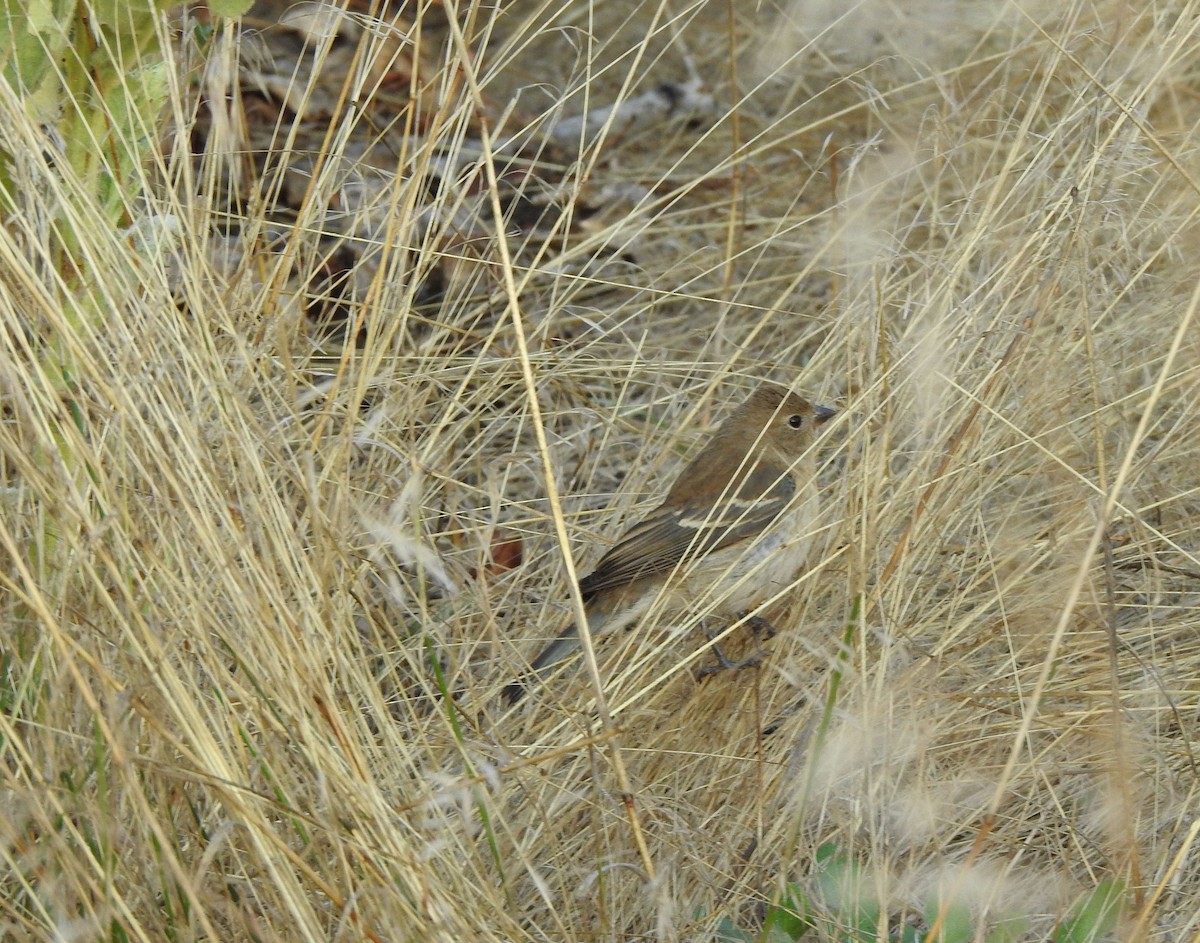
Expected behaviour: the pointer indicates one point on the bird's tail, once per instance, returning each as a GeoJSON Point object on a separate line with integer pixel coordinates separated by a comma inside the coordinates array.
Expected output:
{"type": "Point", "coordinates": [562, 647]}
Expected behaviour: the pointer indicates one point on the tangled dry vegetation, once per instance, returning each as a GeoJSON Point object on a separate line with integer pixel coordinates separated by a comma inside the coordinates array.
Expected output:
{"type": "Point", "coordinates": [407, 302]}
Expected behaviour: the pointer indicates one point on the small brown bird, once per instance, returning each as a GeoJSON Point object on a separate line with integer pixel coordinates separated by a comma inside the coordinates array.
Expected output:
{"type": "Point", "coordinates": [734, 529]}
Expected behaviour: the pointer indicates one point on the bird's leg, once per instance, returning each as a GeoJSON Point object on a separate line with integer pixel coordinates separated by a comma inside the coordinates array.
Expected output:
{"type": "Point", "coordinates": [759, 626]}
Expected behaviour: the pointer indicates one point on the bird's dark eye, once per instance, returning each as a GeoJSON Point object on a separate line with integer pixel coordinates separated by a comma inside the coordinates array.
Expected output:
{"type": "Point", "coordinates": [795, 421]}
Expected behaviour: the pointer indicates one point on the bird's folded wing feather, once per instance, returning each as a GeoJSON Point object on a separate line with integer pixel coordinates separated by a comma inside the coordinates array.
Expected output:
{"type": "Point", "coordinates": [673, 535]}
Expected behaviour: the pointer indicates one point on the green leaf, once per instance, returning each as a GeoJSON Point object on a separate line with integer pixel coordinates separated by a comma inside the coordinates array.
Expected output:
{"type": "Point", "coordinates": [1008, 929]}
{"type": "Point", "coordinates": [1095, 916]}
{"type": "Point", "coordinates": [956, 922]}
{"type": "Point", "coordinates": [32, 36]}
{"type": "Point", "coordinates": [229, 8]}
{"type": "Point", "coordinates": [729, 932]}
{"type": "Point", "coordinates": [789, 919]}
{"type": "Point", "coordinates": [845, 890]}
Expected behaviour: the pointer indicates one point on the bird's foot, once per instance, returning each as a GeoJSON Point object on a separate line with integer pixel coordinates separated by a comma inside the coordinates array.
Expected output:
{"type": "Point", "coordinates": [761, 627]}
{"type": "Point", "coordinates": [725, 663]}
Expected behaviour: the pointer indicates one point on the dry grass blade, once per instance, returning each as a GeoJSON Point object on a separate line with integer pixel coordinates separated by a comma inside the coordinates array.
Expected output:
{"type": "Point", "coordinates": [337, 341]}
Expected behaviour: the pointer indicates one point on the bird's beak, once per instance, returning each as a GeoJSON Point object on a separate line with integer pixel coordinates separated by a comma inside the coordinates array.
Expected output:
{"type": "Point", "coordinates": [824, 413]}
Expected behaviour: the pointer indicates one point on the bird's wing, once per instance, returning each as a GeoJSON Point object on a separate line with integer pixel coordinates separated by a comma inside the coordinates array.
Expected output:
{"type": "Point", "coordinates": [685, 532]}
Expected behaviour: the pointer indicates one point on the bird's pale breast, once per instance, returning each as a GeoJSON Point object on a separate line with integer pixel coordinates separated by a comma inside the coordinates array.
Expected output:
{"type": "Point", "coordinates": [743, 576]}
